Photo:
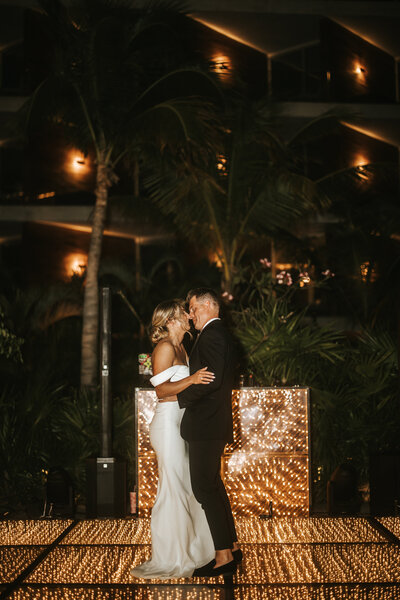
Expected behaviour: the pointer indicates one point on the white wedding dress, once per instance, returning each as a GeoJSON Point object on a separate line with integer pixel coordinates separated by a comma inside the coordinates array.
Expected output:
{"type": "Point", "coordinates": [180, 537]}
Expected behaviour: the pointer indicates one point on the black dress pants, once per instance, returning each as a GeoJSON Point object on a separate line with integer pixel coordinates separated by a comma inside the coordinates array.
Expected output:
{"type": "Point", "coordinates": [209, 491]}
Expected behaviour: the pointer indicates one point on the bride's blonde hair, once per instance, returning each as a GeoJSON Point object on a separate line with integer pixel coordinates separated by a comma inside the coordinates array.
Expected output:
{"type": "Point", "coordinates": [164, 312]}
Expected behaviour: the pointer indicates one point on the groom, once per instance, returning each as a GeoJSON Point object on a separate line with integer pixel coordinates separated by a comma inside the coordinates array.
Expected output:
{"type": "Point", "coordinates": [207, 426]}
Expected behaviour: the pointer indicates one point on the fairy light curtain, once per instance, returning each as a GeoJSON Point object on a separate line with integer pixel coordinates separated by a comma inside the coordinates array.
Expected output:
{"type": "Point", "coordinates": [268, 461]}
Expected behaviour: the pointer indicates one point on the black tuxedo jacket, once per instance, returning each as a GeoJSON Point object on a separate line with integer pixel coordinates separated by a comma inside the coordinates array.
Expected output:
{"type": "Point", "coordinates": [208, 414]}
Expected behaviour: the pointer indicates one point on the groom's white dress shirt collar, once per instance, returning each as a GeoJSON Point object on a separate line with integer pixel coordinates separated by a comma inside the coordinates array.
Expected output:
{"type": "Point", "coordinates": [208, 322]}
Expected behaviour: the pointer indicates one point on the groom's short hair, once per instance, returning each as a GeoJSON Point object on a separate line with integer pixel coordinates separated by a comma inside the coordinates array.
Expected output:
{"type": "Point", "coordinates": [203, 294]}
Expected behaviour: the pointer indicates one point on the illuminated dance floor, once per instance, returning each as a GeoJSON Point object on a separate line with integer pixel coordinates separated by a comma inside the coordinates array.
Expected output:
{"type": "Point", "coordinates": [284, 558]}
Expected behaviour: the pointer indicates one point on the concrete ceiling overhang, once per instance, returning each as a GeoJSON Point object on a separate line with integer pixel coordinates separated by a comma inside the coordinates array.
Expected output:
{"type": "Point", "coordinates": [382, 32]}
{"type": "Point", "coordinates": [279, 26]}
{"type": "Point", "coordinates": [139, 233]}
{"type": "Point", "coordinates": [268, 33]}
{"type": "Point", "coordinates": [275, 34]}
{"type": "Point", "coordinates": [276, 27]}
{"type": "Point", "coordinates": [381, 122]}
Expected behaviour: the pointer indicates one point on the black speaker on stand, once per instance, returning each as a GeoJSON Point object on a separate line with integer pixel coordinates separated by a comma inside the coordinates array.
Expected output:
{"type": "Point", "coordinates": [105, 475]}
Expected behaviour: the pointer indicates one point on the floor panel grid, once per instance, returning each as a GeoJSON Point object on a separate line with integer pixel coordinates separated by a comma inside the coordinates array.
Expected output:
{"type": "Point", "coordinates": [252, 530]}
{"type": "Point", "coordinates": [31, 532]}
{"type": "Point", "coordinates": [269, 563]}
{"type": "Point", "coordinates": [314, 558]}
{"type": "Point", "coordinates": [13, 560]}
{"type": "Point", "coordinates": [392, 524]}
{"type": "Point", "coordinates": [199, 592]}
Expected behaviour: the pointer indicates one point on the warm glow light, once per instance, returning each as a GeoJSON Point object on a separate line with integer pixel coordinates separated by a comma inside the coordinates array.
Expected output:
{"type": "Point", "coordinates": [360, 162]}
{"type": "Point", "coordinates": [77, 163]}
{"type": "Point", "coordinates": [75, 264]}
{"type": "Point", "coordinates": [221, 164]}
{"type": "Point", "coordinates": [367, 274]}
{"type": "Point", "coordinates": [286, 558]}
{"type": "Point", "coordinates": [228, 33]}
{"type": "Point", "coordinates": [215, 258]}
{"type": "Point", "coordinates": [360, 72]}
{"type": "Point", "coordinates": [364, 131]}
{"type": "Point", "coordinates": [221, 65]}
{"type": "Point", "coordinates": [46, 195]}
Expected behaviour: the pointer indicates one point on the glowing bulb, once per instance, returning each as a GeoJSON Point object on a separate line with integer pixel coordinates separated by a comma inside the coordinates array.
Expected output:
{"type": "Point", "coordinates": [77, 163]}
{"type": "Point", "coordinates": [360, 162]}
{"type": "Point", "coordinates": [359, 72]}
{"type": "Point", "coordinates": [75, 264]}
{"type": "Point", "coordinates": [221, 65]}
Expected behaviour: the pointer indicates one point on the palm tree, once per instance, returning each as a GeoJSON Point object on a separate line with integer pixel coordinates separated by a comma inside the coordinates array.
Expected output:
{"type": "Point", "coordinates": [253, 188]}
{"type": "Point", "coordinates": [114, 87]}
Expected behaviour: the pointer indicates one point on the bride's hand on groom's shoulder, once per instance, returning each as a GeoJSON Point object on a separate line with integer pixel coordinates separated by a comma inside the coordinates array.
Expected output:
{"type": "Point", "coordinates": [203, 376]}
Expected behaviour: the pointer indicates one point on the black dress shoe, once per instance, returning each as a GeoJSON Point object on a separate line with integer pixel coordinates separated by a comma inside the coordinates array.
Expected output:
{"type": "Point", "coordinates": [204, 570]}
{"type": "Point", "coordinates": [209, 570]}
{"type": "Point", "coordinates": [237, 556]}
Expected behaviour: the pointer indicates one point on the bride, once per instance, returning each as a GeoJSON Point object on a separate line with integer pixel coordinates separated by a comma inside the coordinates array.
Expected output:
{"type": "Point", "coordinates": [180, 537]}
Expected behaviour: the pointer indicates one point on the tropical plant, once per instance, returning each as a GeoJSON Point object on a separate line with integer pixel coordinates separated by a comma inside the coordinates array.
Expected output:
{"type": "Point", "coordinates": [280, 346]}
{"type": "Point", "coordinates": [115, 85]}
{"type": "Point", "coordinates": [252, 190]}
{"type": "Point", "coordinates": [355, 411]}
{"type": "Point", "coordinates": [363, 248]}
{"type": "Point", "coordinates": [48, 320]}
{"type": "Point", "coordinates": [26, 442]}
{"type": "Point", "coordinates": [355, 407]}
{"type": "Point", "coordinates": [44, 427]}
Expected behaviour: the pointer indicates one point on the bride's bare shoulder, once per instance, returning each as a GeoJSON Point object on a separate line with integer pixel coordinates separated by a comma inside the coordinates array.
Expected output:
{"type": "Point", "coordinates": [163, 354]}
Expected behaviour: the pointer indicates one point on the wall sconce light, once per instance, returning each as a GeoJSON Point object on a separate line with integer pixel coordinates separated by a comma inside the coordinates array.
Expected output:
{"type": "Point", "coordinates": [75, 263]}
{"type": "Point", "coordinates": [360, 162]}
{"type": "Point", "coordinates": [221, 65]}
{"type": "Point", "coordinates": [360, 72]}
{"type": "Point", "coordinates": [77, 163]}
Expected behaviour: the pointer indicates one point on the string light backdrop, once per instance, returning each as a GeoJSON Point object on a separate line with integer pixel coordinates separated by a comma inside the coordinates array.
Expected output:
{"type": "Point", "coordinates": [268, 461]}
